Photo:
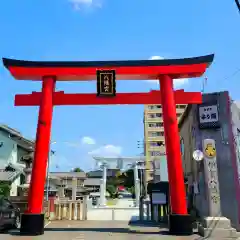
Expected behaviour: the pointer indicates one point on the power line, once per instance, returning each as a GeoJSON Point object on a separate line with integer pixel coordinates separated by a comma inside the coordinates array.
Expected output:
{"type": "Point", "coordinates": [238, 5]}
{"type": "Point", "coordinates": [232, 75]}
{"type": "Point", "coordinates": [222, 80]}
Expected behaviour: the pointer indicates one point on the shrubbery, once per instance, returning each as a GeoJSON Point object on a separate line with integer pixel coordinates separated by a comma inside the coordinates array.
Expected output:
{"type": "Point", "coordinates": [5, 189]}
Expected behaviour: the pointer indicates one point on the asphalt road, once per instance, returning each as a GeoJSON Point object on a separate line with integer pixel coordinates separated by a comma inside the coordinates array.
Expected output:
{"type": "Point", "coordinates": [98, 230]}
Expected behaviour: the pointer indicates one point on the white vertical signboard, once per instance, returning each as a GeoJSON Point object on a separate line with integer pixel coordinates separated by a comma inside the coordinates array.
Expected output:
{"type": "Point", "coordinates": [211, 177]}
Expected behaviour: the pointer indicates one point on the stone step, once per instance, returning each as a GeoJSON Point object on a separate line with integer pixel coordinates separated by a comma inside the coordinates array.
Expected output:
{"type": "Point", "coordinates": [218, 233]}
{"type": "Point", "coordinates": [216, 222]}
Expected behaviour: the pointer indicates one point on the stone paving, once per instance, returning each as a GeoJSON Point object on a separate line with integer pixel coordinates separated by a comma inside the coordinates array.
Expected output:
{"type": "Point", "coordinates": [98, 230]}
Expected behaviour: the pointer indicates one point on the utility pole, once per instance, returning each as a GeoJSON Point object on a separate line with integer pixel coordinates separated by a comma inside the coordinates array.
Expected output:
{"type": "Point", "coordinates": [136, 184]}
{"type": "Point", "coordinates": [147, 156]}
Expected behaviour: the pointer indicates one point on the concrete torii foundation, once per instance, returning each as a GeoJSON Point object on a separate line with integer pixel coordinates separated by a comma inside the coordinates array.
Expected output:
{"type": "Point", "coordinates": [32, 222]}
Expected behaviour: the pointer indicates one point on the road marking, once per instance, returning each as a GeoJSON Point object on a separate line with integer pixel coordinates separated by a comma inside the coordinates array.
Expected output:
{"type": "Point", "coordinates": [47, 224]}
{"type": "Point", "coordinates": [81, 237]}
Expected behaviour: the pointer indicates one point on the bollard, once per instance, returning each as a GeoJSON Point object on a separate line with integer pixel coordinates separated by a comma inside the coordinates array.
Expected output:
{"type": "Point", "coordinates": [70, 211]}
{"type": "Point", "coordinates": [59, 211]}
{"type": "Point", "coordinates": [75, 211]}
{"type": "Point", "coordinates": [84, 208]}
{"type": "Point", "coordinates": [65, 211]}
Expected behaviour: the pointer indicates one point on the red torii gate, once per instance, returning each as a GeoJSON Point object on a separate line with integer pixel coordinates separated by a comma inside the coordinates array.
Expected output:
{"type": "Point", "coordinates": [32, 221]}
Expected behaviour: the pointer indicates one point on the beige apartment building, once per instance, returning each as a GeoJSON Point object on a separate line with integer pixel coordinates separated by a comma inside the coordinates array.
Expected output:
{"type": "Point", "coordinates": [154, 142]}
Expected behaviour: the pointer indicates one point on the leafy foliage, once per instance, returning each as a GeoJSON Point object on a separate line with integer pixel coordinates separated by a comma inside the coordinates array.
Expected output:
{"type": "Point", "coordinates": [77, 169]}
{"type": "Point", "coordinates": [112, 190]}
{"type": "Point", "coordinates": [4, 189]}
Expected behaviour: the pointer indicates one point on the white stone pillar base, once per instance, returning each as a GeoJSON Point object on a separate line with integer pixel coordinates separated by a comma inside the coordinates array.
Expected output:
{"type": "Point", "coordinates": [217, 228]}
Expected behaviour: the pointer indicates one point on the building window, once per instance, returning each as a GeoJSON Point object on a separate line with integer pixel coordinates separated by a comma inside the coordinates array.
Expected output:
{"type": "Point", "coordinates": [154, 115]}
{"type": "Point", "coordinates": [156, 125]}
{"type": "Point", "coordinates": [153, 134]}
{"type": "Point", "coordinates": [180, 106]}
{"type": "Point", "coordinates": [158, 115]}
{"type": "Point", "coordinates": [157, 144]}
{"type": "Point", "coordinates": [154, 107]}
{"type": "Point", "coordinates": [156, 153]}
{"type": "Point", "coordinates": [156, 134]}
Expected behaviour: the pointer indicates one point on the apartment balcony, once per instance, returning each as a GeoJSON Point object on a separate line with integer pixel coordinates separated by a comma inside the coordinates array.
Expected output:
{"type": "Point", "coordinates": [153, 120]}
{"type": "Point", "coordinates": [156, 148]}
{"type": "Point", "coordinates": [155, 129]}
{"type": "Point", "coordinates": [160, 119]}
{"type": "Point", "coordinates": [155, 110]}
{"type": "Point", "coordinates": [155, 139]}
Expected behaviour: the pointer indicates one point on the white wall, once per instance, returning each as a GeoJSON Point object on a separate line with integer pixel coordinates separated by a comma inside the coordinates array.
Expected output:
{"type": "Point", "coordinates": [8, 152]}
{"type": "Point", "coordinates": [14, 186]}
{"type": "Point", "coordinates": [113, 214]}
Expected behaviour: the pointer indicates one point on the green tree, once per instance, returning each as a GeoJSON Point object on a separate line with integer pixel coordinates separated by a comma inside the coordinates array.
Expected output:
{"type": "Point", "coordinates": [4, 189]}
{"type": "Point", "coordinates": [77, 169]}
{"type": "Point", "coordinates": [111, 190]}
{"type": "Point", "coordinates": [128, 179]}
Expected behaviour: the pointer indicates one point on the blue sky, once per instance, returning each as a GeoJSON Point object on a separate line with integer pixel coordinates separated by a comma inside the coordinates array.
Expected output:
{"type": "Point", "coordinates": [111, 30]}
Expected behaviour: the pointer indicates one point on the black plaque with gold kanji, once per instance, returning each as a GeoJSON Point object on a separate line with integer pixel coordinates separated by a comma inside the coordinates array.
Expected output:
{"type": "Point", "coordinates": [106, 83]}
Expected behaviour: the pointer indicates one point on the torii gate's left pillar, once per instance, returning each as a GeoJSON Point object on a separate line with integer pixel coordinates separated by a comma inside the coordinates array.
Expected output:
{"type": "Point", "coordinates": [32, 221]}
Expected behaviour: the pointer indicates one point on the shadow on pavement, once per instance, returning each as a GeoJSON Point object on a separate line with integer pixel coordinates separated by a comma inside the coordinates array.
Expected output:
{"type": "Point", "coordinates": [104, 230]}
{"type": "Point", "coordinates": [142, 228]}
{"type": "Point", "coordinates": [147, 224]}
{"type": "Point", "coordinates": [101, 230]}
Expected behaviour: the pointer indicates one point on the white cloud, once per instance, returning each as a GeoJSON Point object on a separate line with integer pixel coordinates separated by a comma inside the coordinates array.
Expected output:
{"type": "Point", "coordinates": [88, 141]}
{"type": "Point", "coordinates": [156, 58]}
{"type": "Point", "coordinates": [107, 151]}
{"type": "Point", "coordinates": [80, 4]}
{"type": "Point", "coordinates": [177, 82]}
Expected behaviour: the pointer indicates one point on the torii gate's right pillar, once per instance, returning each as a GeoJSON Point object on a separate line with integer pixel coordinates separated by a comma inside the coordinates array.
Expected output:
{"type": "Point", "coordinates": [179, 219]}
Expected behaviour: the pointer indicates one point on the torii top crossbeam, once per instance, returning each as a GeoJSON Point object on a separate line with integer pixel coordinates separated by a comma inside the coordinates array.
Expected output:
{"type": "Point", "coordinates": [125, 70]}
